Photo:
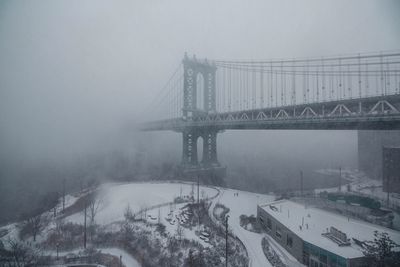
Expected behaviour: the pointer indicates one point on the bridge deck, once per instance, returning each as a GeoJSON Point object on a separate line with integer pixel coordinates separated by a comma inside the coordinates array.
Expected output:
{"type": "Point", "coordinates": [379, 112]}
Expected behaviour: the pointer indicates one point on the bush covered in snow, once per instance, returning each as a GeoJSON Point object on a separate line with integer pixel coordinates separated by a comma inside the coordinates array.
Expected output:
{"type": "Point", "coordinates": [271, 255]}
{"type": "Point", "coordinates": [250, 223]}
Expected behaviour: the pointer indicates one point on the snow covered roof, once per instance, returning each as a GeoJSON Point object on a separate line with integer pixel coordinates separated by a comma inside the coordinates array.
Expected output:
{"type": "Point", "coordinates": [317, 221]}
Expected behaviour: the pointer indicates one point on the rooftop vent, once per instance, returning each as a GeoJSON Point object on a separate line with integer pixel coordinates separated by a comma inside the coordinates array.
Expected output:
{"type": "Point", "coordinates": [337, 236]}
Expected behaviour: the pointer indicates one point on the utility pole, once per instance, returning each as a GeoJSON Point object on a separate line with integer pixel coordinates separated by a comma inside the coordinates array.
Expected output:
{"type": "Point", "coordinates": [301, 183]}
{"type": "Point", "coordinates": [198, 185]}
{"type": "Point", "coordinates": [226, 240]}
{"type": "Point", "coordinates": [198, 200]}
{"type": "Point", "coordinates": [63, 194]}
{"type": "Point", "coordinates": [84, 229]}
{"type": "Point", "coordinates": [388, 190]}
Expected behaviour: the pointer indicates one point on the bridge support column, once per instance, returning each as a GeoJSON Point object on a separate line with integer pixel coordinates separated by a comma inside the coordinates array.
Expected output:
{"type": "Point", "coordinates": [209, 170]}
{"type": "Point", "coordinates": [189, 149]}
{"type": "Point", "coordinates": [210, 149]}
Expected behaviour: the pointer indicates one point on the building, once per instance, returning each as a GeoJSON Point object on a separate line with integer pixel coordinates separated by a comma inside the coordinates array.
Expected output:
{"type": "Point", "coordinates": [370, 145]}
{"type": "Point", "coordinates": [316, 237]}
{"type": "Point", "coordinates": [391, 169]}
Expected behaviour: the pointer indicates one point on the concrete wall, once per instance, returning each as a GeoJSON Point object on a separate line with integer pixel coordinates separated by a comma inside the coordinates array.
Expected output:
{"type": "Point", "coordinates": [296, 250]}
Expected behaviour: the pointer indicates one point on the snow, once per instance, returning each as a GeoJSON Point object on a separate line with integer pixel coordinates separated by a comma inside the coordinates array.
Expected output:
{"type": "Point", "coordinates": [361, 184]}
{"type": "Point", "coordinates": [291, 215]}
{"type": "Point", "coordinates": [171, 227]}
{"type": "Point", "coordinates": [12, 233]}
{"type": "Point", "coordinates": [285, 256]}
{"type": "Point", "coordinates": [115, 198]}
{"type": "Point", "coordinates": [157, 198]}
{"type": "Point", "coordinates": [127, 259]}
{"type": "Point", "coordinates": [245, 203]}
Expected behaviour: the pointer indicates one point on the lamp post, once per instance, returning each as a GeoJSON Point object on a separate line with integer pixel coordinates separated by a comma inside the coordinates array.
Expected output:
{"type": "Point", "coordinates": [226, 240]}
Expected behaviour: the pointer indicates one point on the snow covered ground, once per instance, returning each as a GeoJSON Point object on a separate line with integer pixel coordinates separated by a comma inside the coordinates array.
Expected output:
{"type": "Point", "coordinates": [157, 197]}
{"type": "Point", "coordinates": [114, 198]}
{"type": "Point", "coordinates": [362, 185]}
{"type": "Point", "coordinates": [127, 259]}
{"type": "Point", "coordinates": [245, 203]}
{"type": "Point", "coordinates": [162, 214]}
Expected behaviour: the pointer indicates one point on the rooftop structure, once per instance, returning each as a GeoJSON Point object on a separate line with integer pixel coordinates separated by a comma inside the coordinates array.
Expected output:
{"type": "Point", "coordinates": [302, 229]}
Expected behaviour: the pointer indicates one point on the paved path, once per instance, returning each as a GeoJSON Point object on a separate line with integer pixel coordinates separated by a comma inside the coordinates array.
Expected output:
{"type": "Point", "coordinates": [245, 203]}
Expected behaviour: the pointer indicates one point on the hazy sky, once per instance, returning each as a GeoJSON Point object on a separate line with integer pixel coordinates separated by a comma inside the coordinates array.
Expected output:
{"type": "Point", "coordinates": [73, 73]}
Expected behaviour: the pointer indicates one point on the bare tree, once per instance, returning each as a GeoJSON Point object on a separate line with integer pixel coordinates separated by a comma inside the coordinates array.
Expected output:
{"type": "Point", "coordinates": [22, 255]}
{"type": "Point", "coordinates": [34, 225]}
{"type": "Point", "coordinates": [94, 206]}
{"type": "Point", "coordinates": [128, 214]}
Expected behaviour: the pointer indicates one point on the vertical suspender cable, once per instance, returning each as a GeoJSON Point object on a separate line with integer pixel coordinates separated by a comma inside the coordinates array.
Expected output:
{"type": "Point", "coordinates": [366, 80]}
{"type": "Point", "coordinates": [293, 85]}
{"type": "Point", "coordinates": [281, 84]}
{"type": "Point", "coordinates": [349, 81]}
{"type": "Point", "coordinates": [254, 83]}
{"type": "Point", "coordinates": [271, 90]}
{"type": "Point", "coordinates": [323, 81]}
{"type": "Point", "coordinates": [359, 77]}
{"type": "Point", "coordinates": [387, 89]}
{"type": "Point", "coordinates": [340, 79]}
{"type": "Point", "coordinates": [397, 85]}
{"type": "Point", "coordinates": [381, 65]}
{"type": "Point", "coordinates": [261, 104]}
{"type": "Point", "coordinates": [276, 88]}
{"type": "Point", "coordinates": [229, 88]}
{"type": "Point", "coordinates": [317, 81]}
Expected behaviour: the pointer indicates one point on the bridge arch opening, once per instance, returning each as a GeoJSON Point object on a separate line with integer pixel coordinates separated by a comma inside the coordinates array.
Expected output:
{"type": "Point", "coordinates": [200, 144]}
{"type": "Point", "coordinates": [200, 91]}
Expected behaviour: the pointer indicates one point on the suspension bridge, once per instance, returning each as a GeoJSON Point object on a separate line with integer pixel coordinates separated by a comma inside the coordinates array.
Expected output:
{"type": "Point", "coordinates": [204, 97]}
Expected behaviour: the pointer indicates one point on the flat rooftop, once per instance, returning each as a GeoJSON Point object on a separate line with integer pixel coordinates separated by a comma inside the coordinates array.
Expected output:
{"type": "Point", "coordinates": [292, 214]}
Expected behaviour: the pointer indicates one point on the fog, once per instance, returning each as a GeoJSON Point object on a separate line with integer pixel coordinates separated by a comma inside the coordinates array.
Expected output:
{"type": "Point", "coordinates": [75, 76]}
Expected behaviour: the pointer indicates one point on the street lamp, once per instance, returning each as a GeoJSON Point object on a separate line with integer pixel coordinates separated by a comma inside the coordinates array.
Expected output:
{"type": "Point", "coordinates": [226, 240]}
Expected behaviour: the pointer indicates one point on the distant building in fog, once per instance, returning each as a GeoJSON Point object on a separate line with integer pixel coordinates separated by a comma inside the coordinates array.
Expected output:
{"type": "Point", "coordinates": [391, 169]}
{"type": "Point", "coordinates": [370, 145]}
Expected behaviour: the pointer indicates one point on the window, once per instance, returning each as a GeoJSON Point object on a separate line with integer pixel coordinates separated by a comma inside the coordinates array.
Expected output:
{"type": "Point", "coordinates": [269, 224]}
{"type": "Point", "coordinates": [289, 241]}
{"type": "Point", "coordinates": [278, 232]}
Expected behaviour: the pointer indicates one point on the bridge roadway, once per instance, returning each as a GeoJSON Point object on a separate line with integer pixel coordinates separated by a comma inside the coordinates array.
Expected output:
{"type": "Point", "coordinates": [369, 113]}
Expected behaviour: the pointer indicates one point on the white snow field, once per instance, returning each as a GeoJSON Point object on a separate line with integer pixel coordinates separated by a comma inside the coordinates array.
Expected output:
{"type": "Point", "coordinates": [114, 198]}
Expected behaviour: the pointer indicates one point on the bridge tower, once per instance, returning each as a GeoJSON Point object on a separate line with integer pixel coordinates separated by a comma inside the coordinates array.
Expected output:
{"type": "Point", "coordinates": [199, 100]}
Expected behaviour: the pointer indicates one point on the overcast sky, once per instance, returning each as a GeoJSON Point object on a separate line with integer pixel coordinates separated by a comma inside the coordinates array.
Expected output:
{"type": "Point", "coordinates": [72, 73]}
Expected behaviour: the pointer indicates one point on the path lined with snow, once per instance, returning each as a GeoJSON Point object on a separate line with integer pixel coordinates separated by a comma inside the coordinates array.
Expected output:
{"type": "Point", "coordinates": [245, 203]}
